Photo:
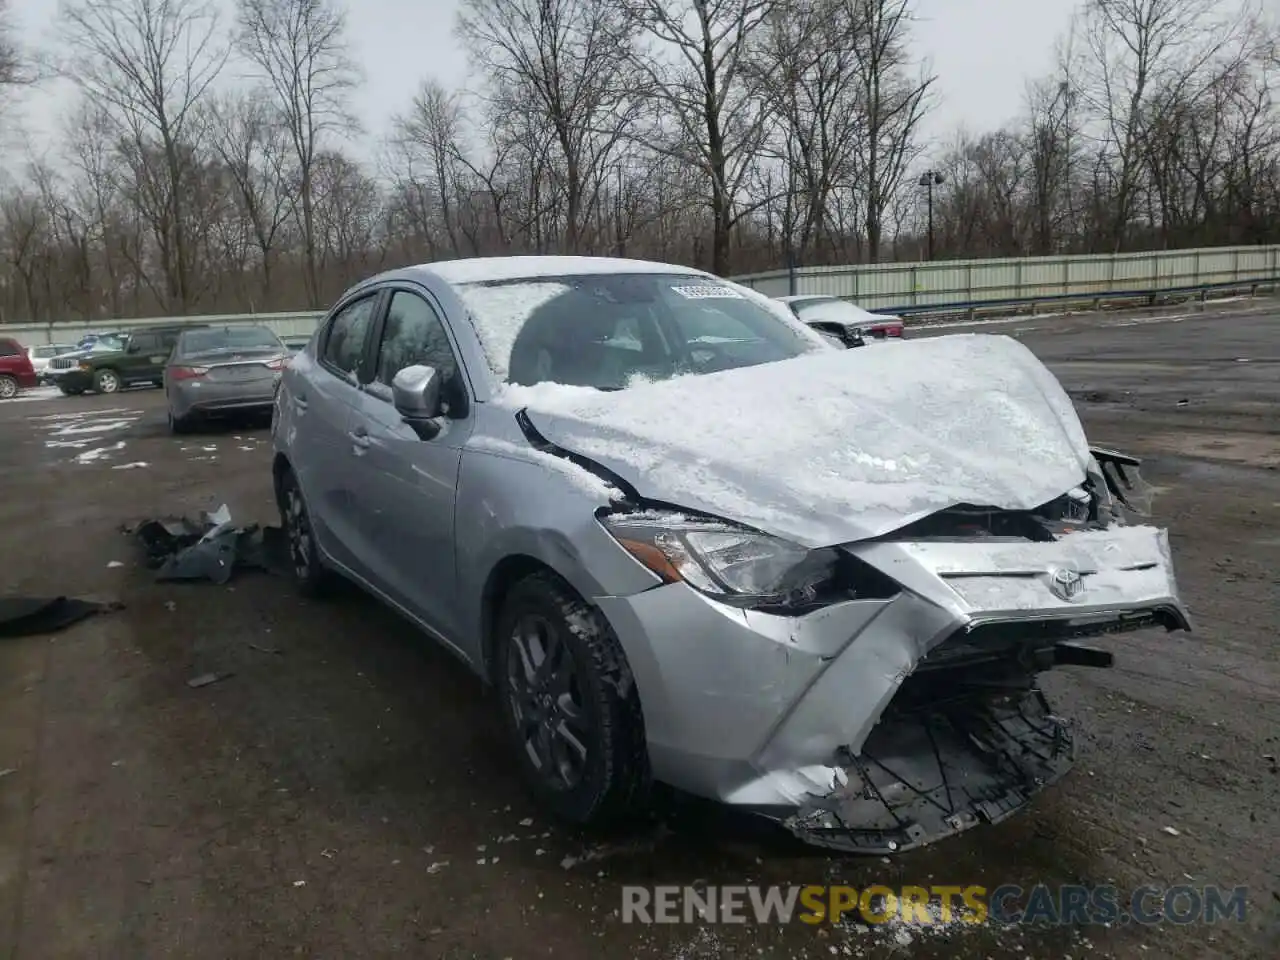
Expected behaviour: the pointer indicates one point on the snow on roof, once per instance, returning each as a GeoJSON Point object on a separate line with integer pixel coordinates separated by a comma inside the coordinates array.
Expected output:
{"type": "Point", "coordinates": [486, 269]}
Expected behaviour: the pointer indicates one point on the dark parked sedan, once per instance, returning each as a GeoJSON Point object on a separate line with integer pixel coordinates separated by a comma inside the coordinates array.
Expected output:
{"type": "Point", "coordinates": [222, 371]}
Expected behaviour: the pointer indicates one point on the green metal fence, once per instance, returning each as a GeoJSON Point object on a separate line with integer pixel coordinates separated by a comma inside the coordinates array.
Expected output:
{"type": "Point", "coordinates": [953, 284]}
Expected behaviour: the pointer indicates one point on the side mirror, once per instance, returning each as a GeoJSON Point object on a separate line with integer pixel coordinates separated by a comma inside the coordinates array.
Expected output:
{"type": "Point", "coordinates": [415, 391]}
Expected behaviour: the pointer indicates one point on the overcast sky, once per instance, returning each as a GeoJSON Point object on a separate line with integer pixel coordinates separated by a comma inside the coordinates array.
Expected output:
{"type": "Point", "coordinates": [983, 52]}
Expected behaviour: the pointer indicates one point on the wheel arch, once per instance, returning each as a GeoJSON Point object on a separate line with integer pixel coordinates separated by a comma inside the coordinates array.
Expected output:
{"type": "Point", "coordinates": [280, 467]}
{"type": "Point", "coordinates": [506, 573]}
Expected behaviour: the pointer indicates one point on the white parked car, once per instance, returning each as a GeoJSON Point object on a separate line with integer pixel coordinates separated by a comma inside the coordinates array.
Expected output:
{"type": "Point", "coordinates": [42, 353]}
{"type": "Point", "coordinates": [843, 321]}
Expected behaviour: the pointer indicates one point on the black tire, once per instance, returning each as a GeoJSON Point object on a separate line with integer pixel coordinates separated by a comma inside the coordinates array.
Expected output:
{"type": "Point", "coordinates": [602, 711]}
{"type": "Point", "coordinates": [107, 380]}
{"type": "Point", "coordinates": [179, 426]}
{"type": "Point", "coordinates": [8, 387]}
{"type": "Point", "coordinates": [72, 391]}
{"type": "Point", "coordinates": [309, 574]}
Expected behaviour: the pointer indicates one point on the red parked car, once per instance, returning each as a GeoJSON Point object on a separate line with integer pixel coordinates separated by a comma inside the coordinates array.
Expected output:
{"type": "Point", "coordinates": [16, 371]}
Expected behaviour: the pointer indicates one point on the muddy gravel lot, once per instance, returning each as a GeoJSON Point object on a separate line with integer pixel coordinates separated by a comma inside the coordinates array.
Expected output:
{"type": "Point", "coordinates": [345, 791]}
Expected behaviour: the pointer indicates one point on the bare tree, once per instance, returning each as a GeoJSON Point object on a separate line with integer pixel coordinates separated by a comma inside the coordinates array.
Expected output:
{"type": "Point", "coordinates": [14, 69]}
{"type": "Point", "coordinates": [566, 62]}
{"type": "Point", "coordinates": [895, 102]}
{"type": "Point", "coordinates": [147, 64]}
{"type": "Point", "coordinates": [1050, 144]}
{"type": "Point", "coordinates": [429, 139]}
{"type": "Point", "coordinates": [807, 67]}
{"type": "Point", "coordinates": [300, 48]}
{"type": "Point", "coordinates": [1145, 59]}
{"type": "Point", "coordinates": [253, 147]}
{"type": "Point", "coordinates": [710, 115]}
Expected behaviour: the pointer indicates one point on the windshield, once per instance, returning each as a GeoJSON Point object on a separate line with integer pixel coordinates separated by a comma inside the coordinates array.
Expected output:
{"type": "Point", "coordinates": [106, 343]}
{"type": "Point", "coordinates": [607, 331]}
{"type": "Point", "coordinates": [229, 339]}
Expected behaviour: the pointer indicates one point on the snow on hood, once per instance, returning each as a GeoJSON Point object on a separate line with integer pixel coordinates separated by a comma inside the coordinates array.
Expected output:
{"type": "Point", "coordinates": [835, 446]}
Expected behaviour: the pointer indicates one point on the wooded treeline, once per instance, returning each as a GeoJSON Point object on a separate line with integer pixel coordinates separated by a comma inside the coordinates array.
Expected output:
{"type": "Point", "coordinates": [736, 135]}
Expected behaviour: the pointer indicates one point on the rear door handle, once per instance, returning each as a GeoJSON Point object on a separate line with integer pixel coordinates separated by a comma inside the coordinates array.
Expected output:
{"type": "Point", "coordinates": [360, 438]}
{"type": "Point", "coordinates": [300, 402]}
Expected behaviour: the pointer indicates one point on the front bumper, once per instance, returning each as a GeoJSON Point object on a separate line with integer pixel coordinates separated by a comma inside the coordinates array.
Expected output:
{"type": "Point", "coordinates": [73, 379]}
{"type": "Point", "coordinates": [792, 716]}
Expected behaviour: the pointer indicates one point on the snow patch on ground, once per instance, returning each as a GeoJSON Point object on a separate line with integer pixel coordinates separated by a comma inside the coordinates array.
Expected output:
{"type": "Point", "coordinates": [99, 453]}
{"type": "Point", "coordinates": [36, 394]}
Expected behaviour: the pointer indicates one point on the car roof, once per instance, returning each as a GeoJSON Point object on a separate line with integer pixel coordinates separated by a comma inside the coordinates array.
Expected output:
{"type": "Point", "coordinates": [166, 327]}
{"type": "Point", "coordinates": [490, 269]}
{"type": "Point", "coordinates": [803, 297]}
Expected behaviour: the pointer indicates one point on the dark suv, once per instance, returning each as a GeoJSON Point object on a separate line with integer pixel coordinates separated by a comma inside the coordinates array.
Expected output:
{"type": "Point", "coordinates": [140, 359]}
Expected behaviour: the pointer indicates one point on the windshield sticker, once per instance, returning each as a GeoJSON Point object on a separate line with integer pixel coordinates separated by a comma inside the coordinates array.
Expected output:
{"type": "Point", "coordinates": [706, 291]}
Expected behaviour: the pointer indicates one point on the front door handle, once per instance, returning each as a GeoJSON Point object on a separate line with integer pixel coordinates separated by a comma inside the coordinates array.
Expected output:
{"type": "Point", "coordinates": [360, 438]}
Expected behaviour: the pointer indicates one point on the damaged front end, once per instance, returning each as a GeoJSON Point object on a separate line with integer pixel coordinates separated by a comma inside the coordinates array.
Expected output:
{"type": "Point", "coordinates": [894, 700]}
{"type": "Point", "coordinates": [965, 735]}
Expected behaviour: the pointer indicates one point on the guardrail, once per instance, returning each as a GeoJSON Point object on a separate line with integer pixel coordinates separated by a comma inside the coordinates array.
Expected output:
{"type": "Point", "coordinates": [288, 324]}
{"type": "Point", "coordinates": [939, 287]}
{"type": "Point", "coordinates": [1095, 300]}
{"type": "Point", "coordinates": [945, 283]}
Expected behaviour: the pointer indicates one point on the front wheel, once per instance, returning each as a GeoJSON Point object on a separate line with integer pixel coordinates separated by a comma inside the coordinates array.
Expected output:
{"type": "Point", "coordinates": [569, 703]}
{"type": "Point", "coordinates": [106, 381]}
{"type": "Point", "coordinates": [8, 387]}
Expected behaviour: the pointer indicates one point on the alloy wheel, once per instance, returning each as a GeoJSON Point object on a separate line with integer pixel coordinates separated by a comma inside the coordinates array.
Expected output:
{"type": "Point", "coordinates": [546, 702]}
{"type": "Point", "coordinates": [8, 388]}
{"type": "Point", "coordinates": [107, 382]}
{"type": "Point", "coordinates": [299, 533]}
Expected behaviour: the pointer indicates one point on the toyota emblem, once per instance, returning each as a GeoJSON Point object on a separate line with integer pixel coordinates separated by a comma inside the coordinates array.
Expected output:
{"type": "Point", "coordinates": [1066, 584]}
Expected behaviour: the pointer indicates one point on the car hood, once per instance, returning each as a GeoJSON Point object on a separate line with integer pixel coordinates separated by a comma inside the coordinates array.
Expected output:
{"type": "Point", "coordinates": [834, 446]}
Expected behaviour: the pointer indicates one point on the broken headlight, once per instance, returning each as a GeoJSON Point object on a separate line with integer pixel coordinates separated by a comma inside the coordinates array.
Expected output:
{"type": "Point", "coordinates": [730, 563]}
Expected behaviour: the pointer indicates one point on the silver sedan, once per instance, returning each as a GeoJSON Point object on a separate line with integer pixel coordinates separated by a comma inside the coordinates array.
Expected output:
{"type": "Point", "coordinates": [222, 371]}
{"type": "Point", "coordinates": [687, 541]}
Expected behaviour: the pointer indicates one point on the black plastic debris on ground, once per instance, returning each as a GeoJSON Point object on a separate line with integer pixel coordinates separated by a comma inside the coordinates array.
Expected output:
{"type": "Point", "coordinates": [30, 616]}
{"type": "Point", "coordinates": [177, 548]}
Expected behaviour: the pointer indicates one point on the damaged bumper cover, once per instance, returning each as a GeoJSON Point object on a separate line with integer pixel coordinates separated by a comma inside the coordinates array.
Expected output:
{"type": "Point", "coordinates": [881, 724]}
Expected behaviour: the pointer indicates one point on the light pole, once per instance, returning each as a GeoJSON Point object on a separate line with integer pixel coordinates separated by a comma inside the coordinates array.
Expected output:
{"type": "Point", "coordinates": [930, 179]}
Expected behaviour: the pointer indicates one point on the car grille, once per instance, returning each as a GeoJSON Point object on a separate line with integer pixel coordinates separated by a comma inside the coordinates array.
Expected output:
{"type": "Point", "coordinates": [62, 363]}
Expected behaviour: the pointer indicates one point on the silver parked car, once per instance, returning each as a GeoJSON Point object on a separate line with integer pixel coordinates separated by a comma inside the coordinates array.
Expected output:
{"type": "Point", "coordinates": [687, 541]}
{"type": "Point", "coordinates": [222, 371]}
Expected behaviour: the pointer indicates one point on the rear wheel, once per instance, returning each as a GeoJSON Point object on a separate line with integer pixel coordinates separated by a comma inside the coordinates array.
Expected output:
{"type": "Point", "coordinates": [106, 381]}
{"type": "Point", "coordinates": [8, 387]}
{"type": "Point", "coordinates": [569, 703]}
{"type": "Point", "coordinates": [71, 391]}
{"type": "Point", "coordinates": [308, 572]}
{"type": "Point", "coordinates": [179, 425]}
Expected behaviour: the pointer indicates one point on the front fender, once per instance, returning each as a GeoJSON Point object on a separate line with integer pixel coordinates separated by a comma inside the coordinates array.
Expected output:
{"type": "Point", "coordinates": [516, 502]}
